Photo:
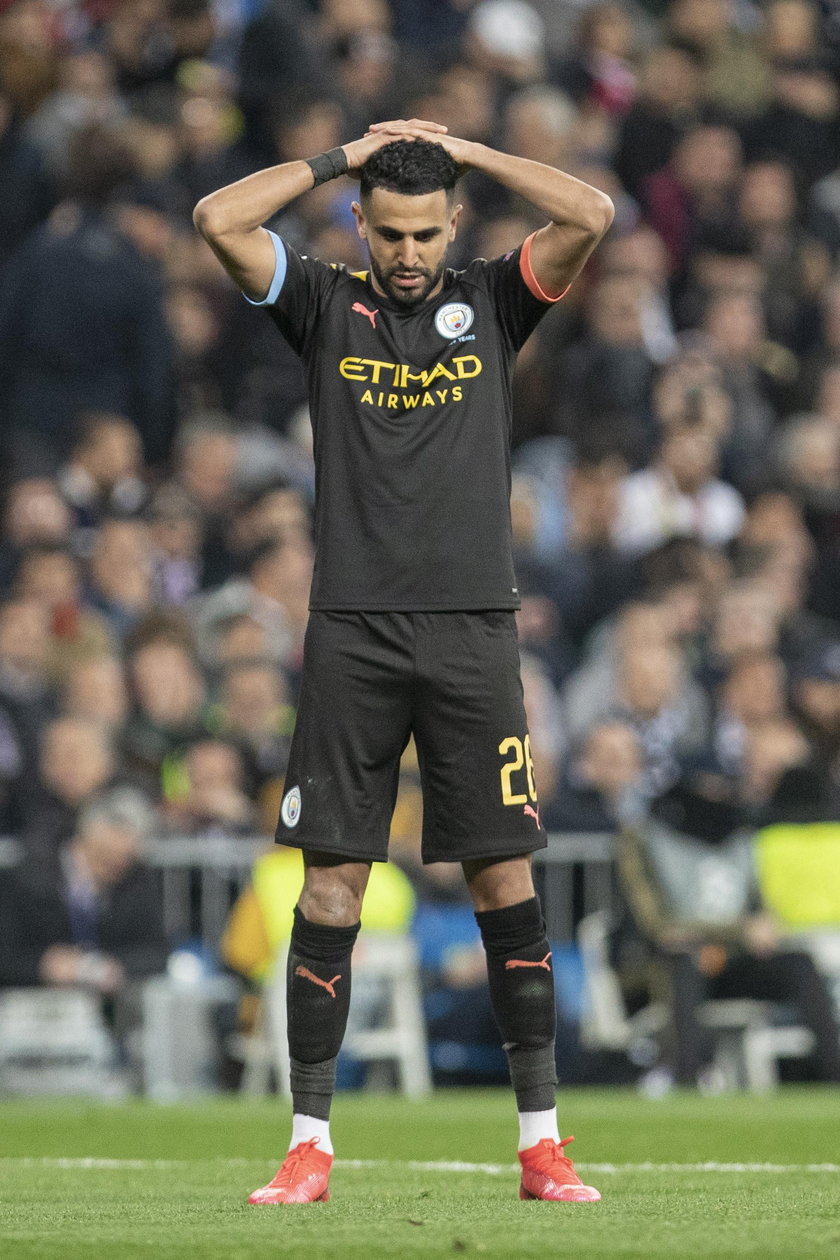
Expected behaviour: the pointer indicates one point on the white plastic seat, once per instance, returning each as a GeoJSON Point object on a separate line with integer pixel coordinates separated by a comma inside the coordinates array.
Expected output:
{"type": "Point", "coordinates": [55, 1041]}
{"type": "Point", "coordinates": [385, 1025]}
{"type": "Point", "coordinates": [748, 1044]}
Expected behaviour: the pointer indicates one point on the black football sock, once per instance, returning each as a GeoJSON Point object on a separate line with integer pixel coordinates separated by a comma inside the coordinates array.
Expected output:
{"type": "Point", "coordinates": [522, 994]}
{"type": "Point", "coordinates": [318, 999]}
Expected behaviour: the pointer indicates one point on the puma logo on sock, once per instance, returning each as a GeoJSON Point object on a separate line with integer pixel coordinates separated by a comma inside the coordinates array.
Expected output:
{"type": "Point", "coordinates": [368, 314]}
{"type": "Point", "coordinates": [329, 985]}
{"type": "Point", "coordinates": [523, 962]}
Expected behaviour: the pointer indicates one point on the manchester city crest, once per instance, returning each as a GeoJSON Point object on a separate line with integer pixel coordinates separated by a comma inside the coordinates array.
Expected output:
{"type": "Point", "coordinates": [454, 319]}
{"type": "Point", "coordinates": [290, 809]}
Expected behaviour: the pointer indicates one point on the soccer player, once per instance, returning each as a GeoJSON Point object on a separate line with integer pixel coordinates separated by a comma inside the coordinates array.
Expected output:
{"type": "Point", "coordinates": [412, 627]}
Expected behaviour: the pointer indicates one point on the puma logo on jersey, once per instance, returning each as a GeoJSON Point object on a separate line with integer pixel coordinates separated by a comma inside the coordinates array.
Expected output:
{"type": "Point", "coordinates": [523, 962]}
{"type": "Point", "coordinates": [363, 310]}
{"type": "Point", "coordinates": [529, 809]}
{"type": "Point", "coordinates": [329, 985]}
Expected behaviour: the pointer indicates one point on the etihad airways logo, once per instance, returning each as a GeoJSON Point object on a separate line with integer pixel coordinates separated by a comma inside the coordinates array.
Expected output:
{"type": "Point", "coordinates": [400, 375]}
{"type": "Point", "coordinates": [393, 377]}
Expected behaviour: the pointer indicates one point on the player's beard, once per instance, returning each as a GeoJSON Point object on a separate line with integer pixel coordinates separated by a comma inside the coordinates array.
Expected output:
{"type": "Point", "coordinates": [429, 280]}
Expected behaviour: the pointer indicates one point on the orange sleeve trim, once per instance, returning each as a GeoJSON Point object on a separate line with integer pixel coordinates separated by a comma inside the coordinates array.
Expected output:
{"type": "Point", "coordinates": [530, 279]}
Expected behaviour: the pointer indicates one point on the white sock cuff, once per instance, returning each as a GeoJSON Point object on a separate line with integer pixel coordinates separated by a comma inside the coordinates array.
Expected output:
{"type": "Point", "coordinates": [304, 1128]}
{"type": "Point", "coordinates": [536, 1125]}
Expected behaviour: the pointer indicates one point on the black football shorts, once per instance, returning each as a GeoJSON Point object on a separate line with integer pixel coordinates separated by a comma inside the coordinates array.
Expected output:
{"type": "Point", "coordinates": [370, 681]}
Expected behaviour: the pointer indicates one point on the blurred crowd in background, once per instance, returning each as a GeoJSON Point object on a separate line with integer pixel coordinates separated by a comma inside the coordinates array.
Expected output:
{"type": "Point", "coordinates": [676, 485]}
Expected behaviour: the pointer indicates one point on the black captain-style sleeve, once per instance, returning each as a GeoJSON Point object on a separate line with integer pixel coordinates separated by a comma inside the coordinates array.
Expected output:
{"type": "Point", "coordinates": [517, 296]}
{"type": "Point", "coordinates": [296, 295]}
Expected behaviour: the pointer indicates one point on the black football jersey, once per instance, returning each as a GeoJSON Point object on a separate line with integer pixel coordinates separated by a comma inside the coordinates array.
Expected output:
{"type": "Point", "coordinates": [411, 415]}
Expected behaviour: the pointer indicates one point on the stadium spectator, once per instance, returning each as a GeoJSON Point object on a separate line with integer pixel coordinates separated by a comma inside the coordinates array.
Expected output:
{"type": "Point", "coordinates": [771, 748]}
{"type": "Point", "coordinates": [666, 106]}
{"type": "Point", "coordinates": [52, 577]}
{"type": "Point", "coordinates": [599, 74]}
{"type": "Point", "coordinates": [710, 936]}
{"type": "Point", "coordinates": [206, 460]}
{"type": "Point", "coordinates": [641, 253]}
{"type": "Point", "coordinates": [120, 575]}
{"type": "Point", "coordinates": [743, 623]}
{"type": "Point", "coordinates": [695, 191]}
{"type": "Point", "coordinates": [241, 637]}
{"type": "Point", "coordinates": [169, 695]}
{"type": "Point", "coordinates": [30, 49]}
{"type": "Point", "coordinates": [93, 915]}
{"type": "Point", "coordinates": [29, 193]}
{"type": "Point", "coordinates": [800, 121]}
{"type": "Point", "coordinates": [668, 711]}
{"type": "Point", "coordinates": [104, 474]}
{"type": "Point", "coordinates": [96, 690]}
{"type": "Point", "coordinates": [34, 514]}
{"type": "Point", "coordinates": [638, 625]}
{"type": "Point", "coordinates": [26, 693]}
{"type": "Point", "coordinates": [177, 535]}
{"type": "Point", "coordinates": [253, 709]}
{"type": "Point", "coordinates": [753, 691]}
{"type": "Point", "coordinates": [275, 594]}
{"type": "Point", "coordinates": [85, 95]}
{"type": "Point", "coordinates": [506, 38]}
{"type": "Point", "coordinates": [76, 760]}
{"type": "Point", "coordinates": [678, 496]}
{"type": "Point", "coordinates": [601, 781]}
{"type": "Point", "coordinates": [196, 329]}
{"type": "Point", "coordinates": [816, 700]}
{"type": "Point", "coordinates": [205, 791]}
{"type": "Point", "coordinates": [575, 564]}
{"type": "Point", "coordinates": [607, 375]}
{"type": "Point", "coordinates": [736, 79]}
{"type": "Point", "coordinates": [81, 321]}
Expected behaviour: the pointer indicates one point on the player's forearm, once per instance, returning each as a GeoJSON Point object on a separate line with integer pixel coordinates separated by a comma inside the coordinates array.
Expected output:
{"type": "Point", "coordinates": [562, 198]}
{"type": "Point", "coordinates": [244, 206]}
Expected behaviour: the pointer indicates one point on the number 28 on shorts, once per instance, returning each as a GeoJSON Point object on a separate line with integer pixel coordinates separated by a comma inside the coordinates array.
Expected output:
{"type": "Point", "coordinates": [518, 758]}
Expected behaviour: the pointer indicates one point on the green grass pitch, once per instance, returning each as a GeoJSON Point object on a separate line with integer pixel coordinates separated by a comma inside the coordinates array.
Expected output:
{"type": "Point", "coordinates": [88, 1180]}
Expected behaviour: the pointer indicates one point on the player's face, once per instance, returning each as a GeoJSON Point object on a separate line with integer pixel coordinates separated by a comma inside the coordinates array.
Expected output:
{"type": "Point", "coordinates": [407, 239]}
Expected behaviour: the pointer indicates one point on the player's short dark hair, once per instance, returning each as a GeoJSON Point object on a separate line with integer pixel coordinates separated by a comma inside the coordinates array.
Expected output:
{"type": "Point", "coordinates": [410, 167]}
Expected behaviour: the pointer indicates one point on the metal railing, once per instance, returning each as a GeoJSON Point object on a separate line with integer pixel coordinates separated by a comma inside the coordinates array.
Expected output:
{"type": "Point", "coordinates": [203, 875]}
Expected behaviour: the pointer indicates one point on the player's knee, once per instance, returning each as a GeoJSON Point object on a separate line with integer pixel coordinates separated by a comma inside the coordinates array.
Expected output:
{"type": "Point", "coordinates": [498, 883]}
{"type": "Point", "coordinates": [332, 896]}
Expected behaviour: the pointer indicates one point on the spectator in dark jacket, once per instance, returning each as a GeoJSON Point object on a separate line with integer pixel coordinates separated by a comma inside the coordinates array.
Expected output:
{"type": "Point", "coordinates": [76, 762]}
{"type": "Point", "coordinates": [27, 189]}
{"type": "Point", "coordinates": [92, 918]}
{"type": "Point", "coordinates": [81, 322]}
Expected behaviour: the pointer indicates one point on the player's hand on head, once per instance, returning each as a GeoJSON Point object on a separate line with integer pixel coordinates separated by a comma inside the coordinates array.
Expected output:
{"type": "Point", "coordinates": [406, 126]}
{"type": "Point", "coordinates": [380, 134]}
{"type": "Point", "coordinates": [459, 150]}
{"type": "Point", "coordinates": [422, 129]}
{"type": "Point", "coordinates": [357, 152]}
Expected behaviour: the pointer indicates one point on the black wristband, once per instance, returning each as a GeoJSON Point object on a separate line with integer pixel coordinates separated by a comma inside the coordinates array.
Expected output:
{"type": "Point", "coordinates": [327, 165]}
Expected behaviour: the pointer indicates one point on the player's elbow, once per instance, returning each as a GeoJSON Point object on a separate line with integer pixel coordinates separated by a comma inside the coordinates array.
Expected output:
{"type": "Point", "coordinates": [207, 219]}
{"type": "Point", "coordinates": [601, 214]}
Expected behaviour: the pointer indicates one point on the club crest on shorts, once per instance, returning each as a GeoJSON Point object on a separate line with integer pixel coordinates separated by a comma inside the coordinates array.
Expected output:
{"type": "Point", "coordinates": [454, 319]}
{"type": "Point", "coordinates": [290, 809]}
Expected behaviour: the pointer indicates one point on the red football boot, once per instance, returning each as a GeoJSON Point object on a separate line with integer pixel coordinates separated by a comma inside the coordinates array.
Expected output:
{"type": "Point", "coordinates": [549, 1174]}
{"type": "Point", "coordinates": [304, 1177]}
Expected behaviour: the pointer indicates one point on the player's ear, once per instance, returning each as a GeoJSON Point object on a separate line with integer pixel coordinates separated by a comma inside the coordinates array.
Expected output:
{"type": "Point", "coordinates": [359, 216]}
{"type": "Point", "coordinates": [453, 222]}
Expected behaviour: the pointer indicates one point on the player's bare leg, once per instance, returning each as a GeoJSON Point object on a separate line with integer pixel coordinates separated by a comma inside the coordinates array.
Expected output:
{"type": "Point", "coordinates": [318, 997]}
{"type": "Point", "coordinates": [519, 971]}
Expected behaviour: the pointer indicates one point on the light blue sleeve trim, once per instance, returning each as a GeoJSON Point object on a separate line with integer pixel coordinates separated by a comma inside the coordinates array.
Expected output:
{"type": "Point", "coordinates": [279, 274]}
